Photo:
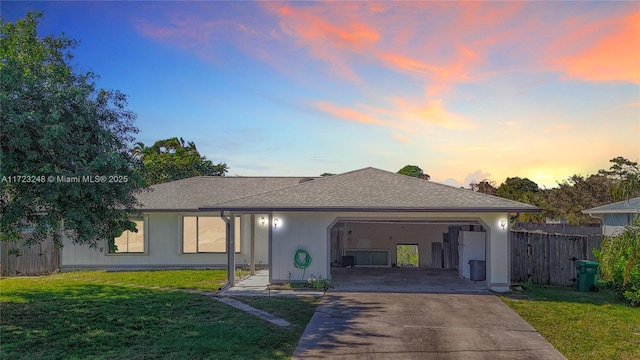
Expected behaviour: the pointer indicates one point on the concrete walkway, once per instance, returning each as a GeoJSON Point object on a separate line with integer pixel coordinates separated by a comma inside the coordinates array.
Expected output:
{"type": "Point", "coordinates": [258, 285]}
{"type": "Point", "coordinates": [368, 325]}
{"type": "Point", "coordinates": [253, 311]}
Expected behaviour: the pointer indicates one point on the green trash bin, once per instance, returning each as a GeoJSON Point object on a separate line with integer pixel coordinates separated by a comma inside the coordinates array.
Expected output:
{"type": "Point", "coordinates": [587, 275]}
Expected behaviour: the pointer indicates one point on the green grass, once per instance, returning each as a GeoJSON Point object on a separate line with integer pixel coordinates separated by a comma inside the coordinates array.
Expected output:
{"type": "Point", "coordinates": [286, 308]}
{"type": "Point", "coordinates": [582, 325]}
{"type": "Point", "coordinates": [205, 280]}
{"type": "Point", "coordinates": [84, 315]}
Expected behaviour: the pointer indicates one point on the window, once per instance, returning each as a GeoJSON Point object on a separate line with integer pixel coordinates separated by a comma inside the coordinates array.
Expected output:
{"type": "Point", "coordinates": [207, 234]}
{"type": "Point", "coordinates": [130, 242]}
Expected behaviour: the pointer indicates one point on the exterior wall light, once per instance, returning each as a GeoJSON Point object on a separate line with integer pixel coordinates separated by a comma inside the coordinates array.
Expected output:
{"type": "Point", "coordinates": [275, 223]}
{"type": "Point", "coordinates": [503, 223]}
{"type": "Point", "coordinates": [263, 221]}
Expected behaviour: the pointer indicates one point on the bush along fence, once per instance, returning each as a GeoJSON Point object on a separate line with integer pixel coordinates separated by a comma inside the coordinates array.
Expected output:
{"type": "Point", "coordinates": [549, 259]}
{"type": "Point", "coordinates": [17, 259]}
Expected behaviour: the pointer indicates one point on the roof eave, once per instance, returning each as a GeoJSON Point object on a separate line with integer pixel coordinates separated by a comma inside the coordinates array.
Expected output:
{"type": "Point", "coordinates": [615, 211]}
{"type": "Point", "coordinates": [170, 210]}
{"type": "Point", "coordinates": [364, 209]}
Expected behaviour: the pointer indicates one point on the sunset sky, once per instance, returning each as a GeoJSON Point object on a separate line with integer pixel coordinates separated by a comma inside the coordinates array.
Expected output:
{"type": "Point", "coordinates": [466, 91]}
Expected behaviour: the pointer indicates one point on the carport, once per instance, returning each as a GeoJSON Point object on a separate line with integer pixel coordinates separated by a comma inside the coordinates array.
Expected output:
{"type": "Point", "coordinates": [403, 255]}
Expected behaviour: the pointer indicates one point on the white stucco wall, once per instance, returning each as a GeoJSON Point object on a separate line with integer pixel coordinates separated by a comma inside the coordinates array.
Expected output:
{"type": "Point", "coordinates": [311, 232]}
{"type": "Point", "coordinates": [303, 230]}
{"type": "Point", "coordinates": [163, 244]}
{"type": "Point", "coordinates": [498, 250]}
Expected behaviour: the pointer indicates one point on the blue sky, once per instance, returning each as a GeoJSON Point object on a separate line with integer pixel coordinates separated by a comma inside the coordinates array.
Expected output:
{"type": "Point", "coordinates": [466, 91]}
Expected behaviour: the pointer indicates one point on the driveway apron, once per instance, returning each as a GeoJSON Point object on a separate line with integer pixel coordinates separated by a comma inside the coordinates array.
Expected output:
{"type": "Point", "coordinates": [367, 325]}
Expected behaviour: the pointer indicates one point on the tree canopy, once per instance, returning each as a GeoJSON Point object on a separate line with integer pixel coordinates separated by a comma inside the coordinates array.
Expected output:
{"type": "Point", "coordinates": [63, 143]}
{"type": "Point", "coordinates": [516, 188]}
{"type": "Point", "coordinates": [626, 177]}
{"type": "Point", "coordinates": [172, 159]}
{"type": "Point", "coordinates": [566, 202]}
{"type": "Point", "coordinates": [414, 171]}
{"type": "Point", "coordinates": [485, 186]}
{"type": "Point", "coordinates": [575, 194]}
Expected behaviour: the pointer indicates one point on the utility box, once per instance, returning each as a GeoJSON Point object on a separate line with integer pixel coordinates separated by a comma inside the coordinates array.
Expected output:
{"type": "Point", "coordinates": [587, 275]}
{"type": "Point", "coordinates": [478, 270]}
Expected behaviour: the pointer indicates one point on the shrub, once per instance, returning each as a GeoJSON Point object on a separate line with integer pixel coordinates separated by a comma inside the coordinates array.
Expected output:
{"type": "Point", "coordinates": [620, 262]}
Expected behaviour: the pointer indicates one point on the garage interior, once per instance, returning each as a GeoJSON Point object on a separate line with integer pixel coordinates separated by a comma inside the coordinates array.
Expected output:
{"type": "Point", "coordinates": [408, 255]}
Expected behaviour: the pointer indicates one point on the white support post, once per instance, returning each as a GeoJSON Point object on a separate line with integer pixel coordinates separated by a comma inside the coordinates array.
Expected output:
{"type": "Point", "coordinates": [231, 253]}
{"type": "Point", "coordinates": [270, 247]}
{"type": "Point", "coordinates": [252, 266]}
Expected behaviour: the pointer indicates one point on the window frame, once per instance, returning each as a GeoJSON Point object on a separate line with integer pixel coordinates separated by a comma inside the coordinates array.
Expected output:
{"type": "Point", "coordinates": [238, 232]}
{"type": "Point", "coordinates": [145, 239]}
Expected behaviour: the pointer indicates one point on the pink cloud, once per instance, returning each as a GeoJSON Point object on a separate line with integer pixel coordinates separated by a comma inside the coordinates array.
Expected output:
{"type": "Point", "coordinates": [437, 45]}
{"type": "Point", "coordinates": [187, 32]}
{"type": "Point", "coordinates": [434, 112]}
{"type": "Point", "coordinates": [346, 113]}
{"type": "Point", "coordinates": [333, 40]}
{"type": "Point", "coordinates": [476, 177]}
{"type": "Point", "coordinates": [443, 43]}
{"type": "Point", "coordinates": [612, 54]}
{"type": "Point", "coordinates": [404, 115]}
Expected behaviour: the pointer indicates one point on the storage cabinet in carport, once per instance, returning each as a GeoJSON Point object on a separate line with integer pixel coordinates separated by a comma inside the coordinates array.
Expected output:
{"type": "Point", "coordinates": [369, 257]}
{"type": "Point", "coordinates": [587, 274]}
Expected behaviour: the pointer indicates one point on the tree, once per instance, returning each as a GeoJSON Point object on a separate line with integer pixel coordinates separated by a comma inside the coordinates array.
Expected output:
{"type": "Point", "coordinates": [627, 188]}
{"type": "Point", "coordinates": [485, 186]}
{"type": "Point", "coordinates": [575, 194]}
{"type": "Point", "coordinates": [170, 159]}
{"type": "Point", "coordinates": [620, 169]}
{"type": "Point", "coordinates": [63, 143]}
{"type": "Point", "coordinates": [414, 171]}
{"type": "Point", "coordinates": [516, 188]}
{"type": "Point", "coordinates": [326, 174]}
{"type": "Point", "coordinates": [626, 177]}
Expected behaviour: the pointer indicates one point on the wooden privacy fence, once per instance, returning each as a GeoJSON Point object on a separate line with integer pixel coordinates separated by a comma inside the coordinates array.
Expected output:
{"type": "Point", "coordinates": [38, 259]}
{"type": "Point", "coordinates": [549, 259]}
{"type": "Point", "coordinates": [564, 229]}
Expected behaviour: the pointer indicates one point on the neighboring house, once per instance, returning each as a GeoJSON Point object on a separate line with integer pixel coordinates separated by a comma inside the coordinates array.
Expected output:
{"type": "Point", "coordinates": [365, 213]}
{"type": "Point", "coordinates": [616, 216]}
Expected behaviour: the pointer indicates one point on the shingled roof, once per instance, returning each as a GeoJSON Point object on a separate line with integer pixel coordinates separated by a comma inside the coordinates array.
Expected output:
{"type": "Point", "coordinates": [370, 189]}
{"type": "Point", "coordinates": [196, 192]}
{"type": "Point", "coordinates": [621, 207]}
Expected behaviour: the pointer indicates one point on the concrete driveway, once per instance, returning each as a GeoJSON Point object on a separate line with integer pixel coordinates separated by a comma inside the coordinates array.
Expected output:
{"type": "Point", "coordinates": [374, 325]}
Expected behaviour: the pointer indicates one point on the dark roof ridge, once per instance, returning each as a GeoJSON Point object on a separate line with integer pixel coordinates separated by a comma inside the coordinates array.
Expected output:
{"type": "Point", "coordinates": [305, 183]}
{"type": "Point", "coordinates": [337, 177]}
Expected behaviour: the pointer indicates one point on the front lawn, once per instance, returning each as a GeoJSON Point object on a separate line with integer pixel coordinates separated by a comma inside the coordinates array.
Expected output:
{"type": "Point", "coordinates": [582, 325]}
{"type": "Point", "coordinates": [86, 315]}
{"type": "Point", "coordinates": [205, 280]}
